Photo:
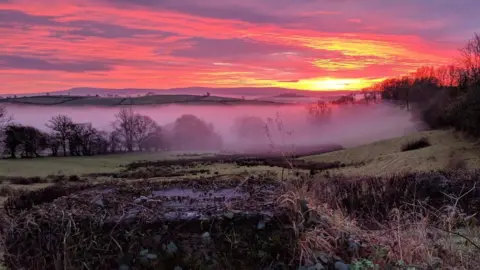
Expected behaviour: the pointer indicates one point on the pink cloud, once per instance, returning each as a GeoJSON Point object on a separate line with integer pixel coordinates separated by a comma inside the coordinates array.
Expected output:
{"type": "Point", "coordinates": [51, 45]}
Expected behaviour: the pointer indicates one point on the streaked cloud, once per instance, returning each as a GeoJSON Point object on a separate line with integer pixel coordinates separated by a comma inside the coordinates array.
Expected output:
{"type": "Point", "coordinates": [319, 45]}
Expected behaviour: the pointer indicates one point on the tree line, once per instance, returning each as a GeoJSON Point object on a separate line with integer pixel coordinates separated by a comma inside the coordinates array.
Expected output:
{"type": "Point", "coordinates": [130, 132]}
{"type": "Point", "coordinates": [444, 96]}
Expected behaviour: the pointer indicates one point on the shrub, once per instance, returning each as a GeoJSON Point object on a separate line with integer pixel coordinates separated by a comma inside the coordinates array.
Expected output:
{"type": "Point", "coordinates": [74, 178]}
{"type": "Point", "coordinates": [417, 144]}
{"type": "Point", "coordinates": [58, 178]}
{"type": "Point", "coordinates": [19, 180]}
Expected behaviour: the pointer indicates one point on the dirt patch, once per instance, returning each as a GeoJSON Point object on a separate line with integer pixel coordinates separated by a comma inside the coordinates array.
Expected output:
{"type": "Point", "coordinates": [195, 224]}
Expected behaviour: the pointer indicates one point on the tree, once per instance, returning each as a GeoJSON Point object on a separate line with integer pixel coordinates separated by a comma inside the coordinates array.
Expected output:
{"type": "Point", "coordinates": [251, 128]}
{"type": "Point", "coordinates": [28, 140]}
{"type": "Point", "coordinates": [114, 141]}
{"type": "Point", "coordinates": [62, 127]}
{"type": "Point", "coordinates": [192, 133]}
{"type": "Point", "coordinates": [345, 100]}
{"type": "Point", "coordinates": [53, 143]}
{"type": "Point", "coordinates": [82, 138]}
{"type": "Point", "coordinates": [34, 141]}
{"type": "Point", "coordinates": [133, 128]}
{"type": "Point", "coordinates": [14, 137]}
{"type": "Point", "coordinates": [125, 126]}
{"type": "Point", "coordinates": [319, 113]}
{"type": "Point", "coordinates": [144, 127]}
{"type": "Point", "coordinates": [471, 59]}
{"type": "Point", "coordinates": [4, 118]}
{"type": "Point", "coordinates": [154, 140]}
{"type": "Point", "coordinates": [100, 143]}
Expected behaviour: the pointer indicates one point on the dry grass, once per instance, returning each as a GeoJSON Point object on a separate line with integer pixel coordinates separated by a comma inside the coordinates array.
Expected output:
{"type": "Point", "coordinates": [386, 157]}
{"type": "Point", "coordinates": [413, 236]}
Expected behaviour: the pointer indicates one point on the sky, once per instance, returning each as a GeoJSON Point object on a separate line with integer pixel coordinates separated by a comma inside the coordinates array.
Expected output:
{"type": "Point", "coordinates": [51, 45]}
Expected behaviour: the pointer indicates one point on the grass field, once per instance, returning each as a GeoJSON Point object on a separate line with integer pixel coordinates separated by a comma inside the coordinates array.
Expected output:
{"type": "Point", "coordinates": [79, 165]}
{"type": "Point", "coordinates": [379, 158]}
{"type": "Point", "coordinates": [447, 149]}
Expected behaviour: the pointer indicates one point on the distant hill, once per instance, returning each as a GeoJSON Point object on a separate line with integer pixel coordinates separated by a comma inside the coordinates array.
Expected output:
{"type": "Point", "coordinates": [76, 100]}
{"type": "Point", "coordinates": [238, 92]}
{"type": "Point", "coordinates": [290, 95]}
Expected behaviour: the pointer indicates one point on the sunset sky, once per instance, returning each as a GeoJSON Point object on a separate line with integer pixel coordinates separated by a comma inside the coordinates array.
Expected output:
{"type": "Point", "coordinates": [49, 45]}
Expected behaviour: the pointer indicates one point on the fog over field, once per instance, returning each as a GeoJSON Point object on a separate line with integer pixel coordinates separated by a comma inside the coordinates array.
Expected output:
{"type": "Point", "coordinates": [349, 125]}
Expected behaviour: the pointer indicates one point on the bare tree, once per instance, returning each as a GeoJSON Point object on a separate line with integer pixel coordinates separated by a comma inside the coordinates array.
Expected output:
{"type": "Point", "coordinates": [144, 127]}
{"type": "Point", "coordinates": [155, 140]}
{"type": "Point", "coordinates": [62, 127]}
{"type": "Point", "coordinates": [114, 141]}
{"type": "Point", "coordinates": [53, 143]}
{"type": "Point", "coordinates": [471, 59]}
{"type": "Point", "coordinates": [4, 118]}
{"type": "Point", "coordinates": [4, 121]}
{"type": "Point", "coordinates": [82, 138]}
{"type": "Point", "coordinates": [125, 125]}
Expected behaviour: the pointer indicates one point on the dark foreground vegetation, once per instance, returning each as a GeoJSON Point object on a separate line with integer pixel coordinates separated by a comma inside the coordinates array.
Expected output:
{"type": "Point", "coordinates": [417, 144]}
{"type": "Point", "coordinates": [395, 222]}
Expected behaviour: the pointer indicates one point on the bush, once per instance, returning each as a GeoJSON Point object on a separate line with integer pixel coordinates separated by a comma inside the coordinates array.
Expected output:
{"type": "Point", "coordinates": [417, 144]}
{"type": "Point", "coordinates": [465, 113]}
{"type": "Point", "coordinates": [75, 178]}
{"type": "Point", "coordinates": [19, 180]}
{"type": "Point", "coordinates": [57, 178]}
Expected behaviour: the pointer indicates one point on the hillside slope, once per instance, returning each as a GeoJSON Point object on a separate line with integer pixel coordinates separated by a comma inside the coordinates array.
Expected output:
{"type": "Point", "coordinates": [448, 149]}
{"type": "Point", "coordinates": [142, 100]}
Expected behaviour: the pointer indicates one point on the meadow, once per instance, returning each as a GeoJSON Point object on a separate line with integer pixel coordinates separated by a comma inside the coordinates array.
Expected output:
{"type": "Point", "coordinates": [411, 238]}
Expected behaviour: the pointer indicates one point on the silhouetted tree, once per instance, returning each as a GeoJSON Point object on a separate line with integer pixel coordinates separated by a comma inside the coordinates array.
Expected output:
{"type": "Point", "coordinates": [53, 144]}
{"type": "Point", "coordinates": [62, 128]}
{"type": "Point", "coordinates": [319, 113]}
{"type": "Point", "coordinates": [4, 117]}
{"type": "Point", "coordinates": [4, 120]}
{"type": "Point", "coordinates": [100, 143]}
{"type": "Point", "coordinates": [82, 139]}
{"type": "Point", "coordinates": [34, 141]}
{"type": "Point", "coordinates": [26, 139]}
{"type": "Point", "coordinates": [471, 60]}
{"type": "Point", "coordinates": [114, 141]}
{"type": "Point", "coordinates": [143, 128]}
{"type": "Point", "coordinates": [345, 100]}
{"type": "Point", "coordinates": [125, 125]}
{"type": "Point", "coordinates": [444, 96]}
{"type": "Point", "coordinates": [14, 138]}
